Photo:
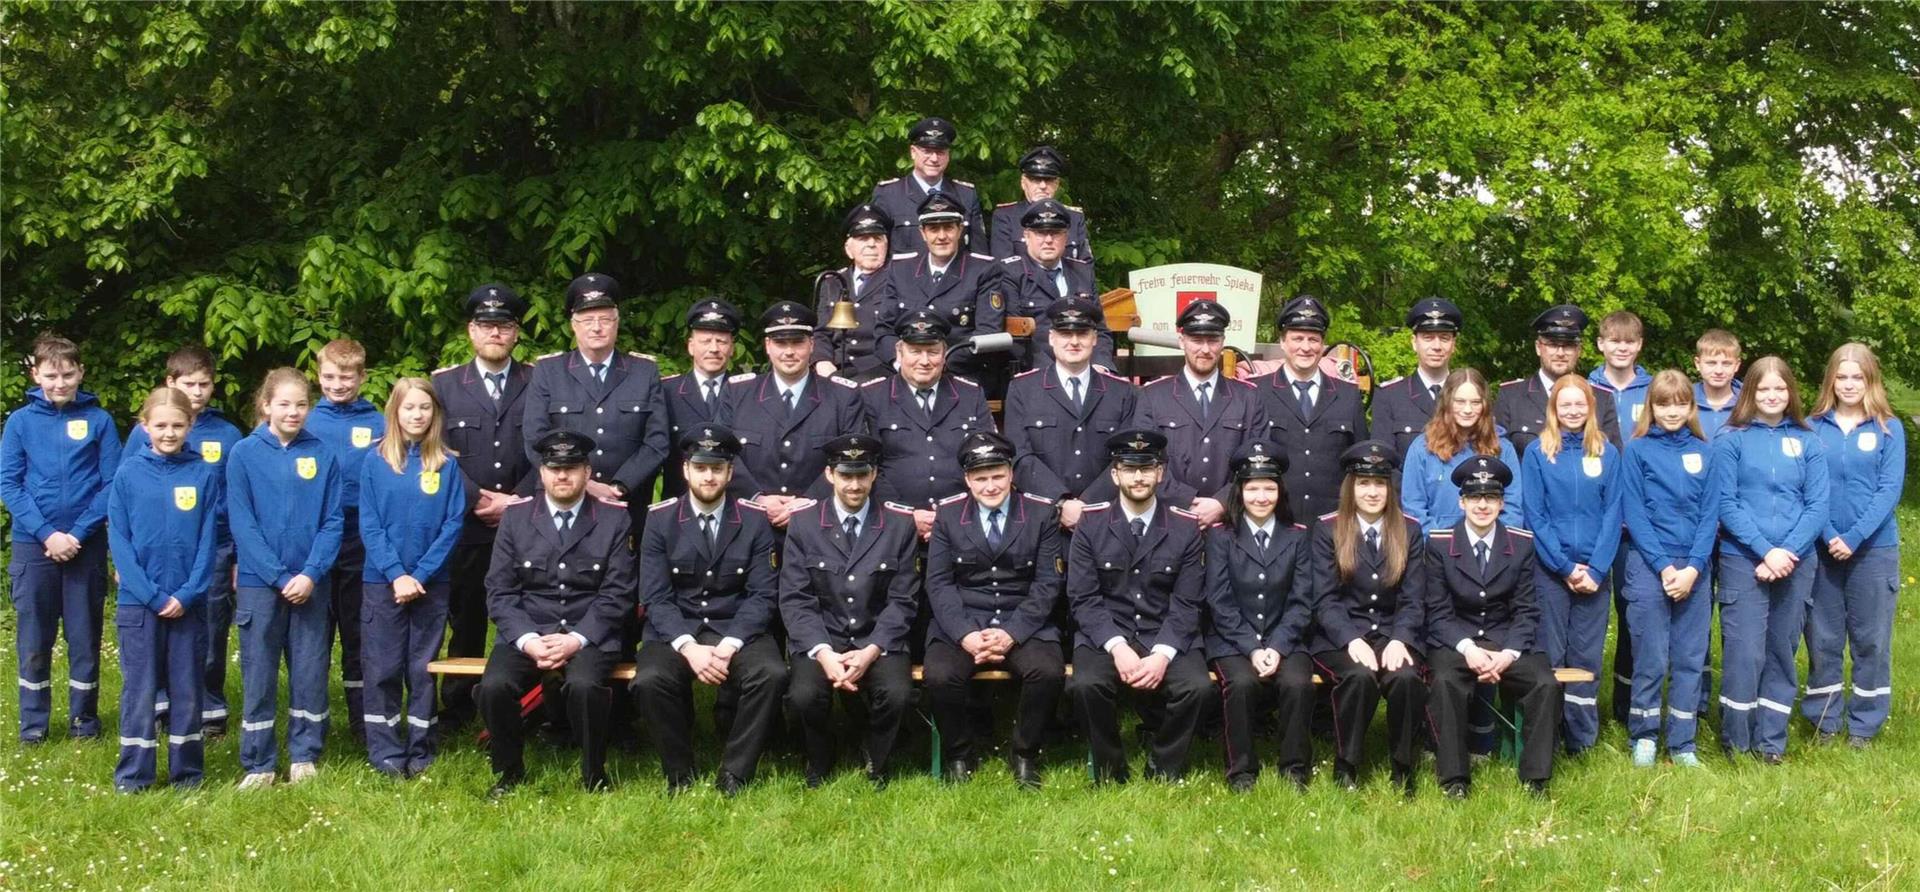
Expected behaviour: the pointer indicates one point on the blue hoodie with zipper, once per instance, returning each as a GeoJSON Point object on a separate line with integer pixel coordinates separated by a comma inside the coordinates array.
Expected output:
{"type": "Point", "coordinates": [1573, 506]}
{"type": "Point", "coordinates": [1869, 467]}
{"type": "Point", "coordinates": [1667, 496]}
{"type": "Point", "coordinates": [212, 438]}
{"type": "Point", "coordinates": [163, 527]}
{"type": "Point", "coordinates": [1774, 487]}
{"type": "Point", "coordinates": [284, 502]}
{"type": "Point", "coordinates": [55, 465]}
{"type": "Point", "coordinates": [1629, 401]}
{"type": "Point", "coordinates": [409, 520]}
{"type": "Point", "coordinates": [350, 430]}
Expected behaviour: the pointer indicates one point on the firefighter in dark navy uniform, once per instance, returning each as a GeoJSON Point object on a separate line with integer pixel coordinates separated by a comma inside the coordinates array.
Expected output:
{"type": "Point", "coordinates": [786, 415]}
{"type": "Point", "coordinates": [694, 396]}
{"type": "Point", "coordinates": [1059, 417]}
{"type": "Point", "coordinates": [1040, 171]}
{"type": "Point", "coordinates": [1313, 416]}
{"type": "Point", "coordinates": [930, 143]}
{"type": "Point", "coordinates": [1401, 407]}
{"type": "Point", "coordinates": [1044, 273]}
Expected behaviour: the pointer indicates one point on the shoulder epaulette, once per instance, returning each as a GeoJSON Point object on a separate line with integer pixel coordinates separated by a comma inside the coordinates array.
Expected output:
{"type": "Point", "coordinates": [1404, 514]}
{"type": "Point", "coordinates": [979, 256]}
{"type": "Point", "coordinates": [1330, 515]}
{"type": "Point", "coordinates": [872, 382]}
{"type": "Point", "coordinates": [1005, 204]}
{"type": "Point", "coordinates": [638, 355]}
{"type": "Point", "coordinates": [1240, 381]}
{"type": "Point", "coordinates": [1095, 506]}
{"type": "Point", "coordinates": [448, 368]}
{"type": "Point", "coordinates": [1160, 380]}
{"type": "Point", "coordinates": [1520, 531]}
{"type": "Point", "coordinates": [612, 503]}
{"type": "Point", "coordinates": [909, 255]}
{"type": "Point", "coordinates": [519, 500]}
{"type": "Point", "coordinates": [663, 503]}
{"type": "Point", "coordinates": [956, 497]}
{"type": "Point", "coordinates": [1300, 526]}
{"type": "Point", "coordinates": [1121, 378]}
{"type": "Point", "coordinates": [1182, 512]}
{"type": "Point", "coordinates": [964, 380]}
{"type": "Point", "coordinates": [1080, 260]}
{"type": "Point", "coordinates": [751, 504]}
{"type": "Point", "coordinates": [1011, 259]}
{"type": "Point", "coordinates": [888, 182]}
{"type": "Point", "coordinates": [1041, 499]}
{"type": "Point", "coordinates": [1514, 381]}
{"type": "Point", "coordinates": [1440, 534]}
{"type": "Point", "coordinates": [843, 382]}
{"type": "Point", "coordinates": [1028, 372]}
{"type": "Point", "coordinates": [898, 508]}
{"type": "Point", "coordinates": [674, 377]}
{"type": "Point", "coordinates": [1393, 382]}
{"type": "Point", "coordinates": [549, 355]}
{"type": "Point", "coordinates": [743, 376]}
{"type": "Point", "coordinates": [1074, 207]}
{"type": "Point", "coordinates": [800, 505]}
{"type": "Point", "coordinates": [965, 183]}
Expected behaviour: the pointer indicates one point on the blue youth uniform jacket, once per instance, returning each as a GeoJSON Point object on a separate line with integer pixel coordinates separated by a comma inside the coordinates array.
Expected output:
{"type": "Point", "coordinates": [1573, 506]}
{"type": "Point", "coordinates": [55, 464]}
{"type": "Point", "coordinates": [1668, 499]}
{"type": "Point", "coordinates": [1773, 484]}
{"type": "Point", "coordinates": [350, 430]}
{"type": "Point", "coordinates": [284, 506]}
{"type": "Point", "coordinates": [1427, 492]}
{"type": "Point", "coordinates": [163, 516]}
{"type": "Point", "coordinates": [409, 520]}
{"type": "Point", "coordinates": [1868, 468]}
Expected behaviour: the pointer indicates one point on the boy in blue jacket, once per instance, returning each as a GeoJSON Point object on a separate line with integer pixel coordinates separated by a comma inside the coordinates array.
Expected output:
{"type": "Point", "coordinates": [163, 512]}
{"type": "Point", "coordinates": [57, 455]}
{"type": "Point", "coordinates": [190, 370]}
{"type": "Point", "coordinates": [349, 425]}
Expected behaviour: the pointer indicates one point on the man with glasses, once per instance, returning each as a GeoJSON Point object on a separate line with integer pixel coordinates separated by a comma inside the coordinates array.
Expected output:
{"type": "Point", "coordinates": [930, 143]}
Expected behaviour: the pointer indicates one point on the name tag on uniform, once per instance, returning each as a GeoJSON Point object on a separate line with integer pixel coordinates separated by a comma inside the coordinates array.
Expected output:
{"type": "Point", "coordinates": [362, 437]}
{"type": "Point", "coordinates": [1792, 447]}
{"type": "Point", "coordinates": [430, 482]}
{"type": "Point", "coordinates": [210, 451]}
{"type": "Point", "coordinates": [1591, 465]}
{"type": "Point", "coordinates": [306, 466]}
{"type": "Point", "coordinates": [1869, 441]}
{"type": "Point", "coordinates": [185, 497]}
{"type": "Point", "coordinates": [1692, 462]}
{"type": "Point", "coordinates": [77, 429]}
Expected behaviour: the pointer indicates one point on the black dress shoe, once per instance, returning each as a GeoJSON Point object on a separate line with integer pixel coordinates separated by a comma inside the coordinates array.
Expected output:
{"type": "Point", "coordinates": [1299, 778]}
{"type": "Point", "coordinates": [1456, 789]}
{"type": "Point", "coordinates": [503, 785]}
{"type": "Point", "coordinates": [729, 785]}
{"type": "Point", "coordinates": [1117, 775]}
{"type": "Point", "coordinates": [1242, 783]}
{"type": "Point", "coordinates": [815, 780]}
{"type": "Point", "coordinates": [1026, 771]}
{"type": "Point", "coordinates": [596, 783]}
{"type": "Point", "coordinates": [679, 784]}
{"type": "Point", "coordinates": [1402, 777]}
{"type": "Point", "coordinates": [957, 771]}
{"type": "Point", "coordinates": [1344, 778]}
{"type": "Point", "coordinates": [878, 778]}
{"type": "Point", "coordinates": [1536, 788]}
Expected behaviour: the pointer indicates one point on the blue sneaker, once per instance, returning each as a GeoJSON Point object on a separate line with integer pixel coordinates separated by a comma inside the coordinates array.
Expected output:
{"type": "Point", "coordinates": [1687, 759]}
{"type": "Point", "coordinates": [1644, 752]}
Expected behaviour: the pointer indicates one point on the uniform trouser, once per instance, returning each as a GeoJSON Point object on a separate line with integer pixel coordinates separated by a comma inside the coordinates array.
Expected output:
{"type": "Point", "coordinates": [48, 597]}
{"type": "Point", "coordinates": [1172, 711]}
{"type": "Point", "coordinates": [1852, 611]}
{"type": "Point", "coordinates": [398, 641]}
{"type": "Point", "coordinates": [1573, 632]}
{"type": "Point", "coordinates": [1356, 691]}
{"type": "Point", "coordinates": [949, 670]}
{"type": "Point", "coordinates": [1623, 634]}
{"type": "Point", "coordinates": [153, 652]}
{"type": "Point", "coordinates": [346, 600]}
{"type": "Point", "coordinates": [219, 620]}
{"type": "Point", "coordinates": [885, 689]}
{"type": "Point", "coordinates": [1670, 649]}
{"type": "Point", "coordinates": [271, 629]}
{"type": "Point", "coordinates": [1528, 681]}
{"type": "Point", "coordinates": [467, 627]}
{"type": "Point", "coordinates": [1760, 625]}
{"type": "Point", "coordinates": [663, 691]}
{"type": "Point", "coordinates": [510, 673]}
{"type": "Point", "coordinates": [1244, 696]}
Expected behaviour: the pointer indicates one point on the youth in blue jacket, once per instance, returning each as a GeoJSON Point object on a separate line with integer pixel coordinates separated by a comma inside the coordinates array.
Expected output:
{"type": "Point", "coordinates": [163, 515]}
{"type": "Point", "coordinates": [412, 510]}
{"type": "Point", "coordinates": [1771, 474]}
{"type": "Point", "coordinates": [1859, 571]}
{"type": "Point", "coordinates": [1460, 419]}
{"type": "Point", "coordinates": [1570, 480]}
{"type": "Point", "coordinates": [1672, 515]}
{"type": "Point", "coordinates": [283, 496]}
{"type": "Point", "coordinates": [350, 425]}
{"type": "Point", "coordinates": [1629, 401]}
{"type": "Point", "coordinates": [57, 454]}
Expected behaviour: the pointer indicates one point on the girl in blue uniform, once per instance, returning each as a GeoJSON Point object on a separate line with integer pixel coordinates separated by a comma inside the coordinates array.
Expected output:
{"type": "Point", "coordinates": [1672, 515]}
{"type": "Point", "coordinates": [1571, 480]}
{"type": "Point", "coordinates": [412, 504]}
{"type": "Point", "coordinates": [283, 499]}
{"type": "Point", "coordinates": [1771, 473]}
{"type": "Point", "coordinates": [163, 514]}
{"type": "Point", "coordinates": [1461, 428]}
{"type": "Point", "coordinates": [1859, 573]}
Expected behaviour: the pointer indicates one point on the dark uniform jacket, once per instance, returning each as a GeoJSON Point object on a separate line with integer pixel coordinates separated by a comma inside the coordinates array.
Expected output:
{"type": "Point", "coordinates": [1365, 606]}
{"type": "Point", "coordinates": [1497, 608]}
{"type": "Point", "coordinates": [849, 596]}
{"type": "Point", "coordinates": [1313, 444]}
{"type": "Point", "coordinates": [965, 296]}
{"type": "Point", "coordinates": [688, 586]}
{"type": "Point", "coordinates": [686, 408]}
{"type": "Point", "coordinates": [1009, 242]}
{"type": "Point", "coordinates": [1521, 409]}
{"type": "Point", "coordinates": [546, 581]}
{"type": "Point", "coordinates": [1198, 449]}
{"type": "Point", "coordinates": [1401, 409]}
{"type": "Point", "coordinates": [486, 435]}
{"type": "Point", "coordinates": [972, 586]}
{"type": "Point", "coordinates": [626, 415]}
{"type": "Point", "coordinates": [917, 464]}
{"type": "Point", "coordinates": [1150, 590]}
{"type": "Point", "coordinates": [874, 306]}
{"type": "Point", "coordinates": [1029, 291]}
{"type": "Point", "coordinates": [780, 452]}
{"type": "Point", "coordinates": [1061, 455]}
{"type": "Point", "coordinates": [900, 197]}
{"type": "Point", "coordinates": [1258, 598]}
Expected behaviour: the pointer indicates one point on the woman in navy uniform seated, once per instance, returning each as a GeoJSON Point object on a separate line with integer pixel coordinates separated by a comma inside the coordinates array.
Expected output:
{"type": "Point", "coordinates": [1259, 605]}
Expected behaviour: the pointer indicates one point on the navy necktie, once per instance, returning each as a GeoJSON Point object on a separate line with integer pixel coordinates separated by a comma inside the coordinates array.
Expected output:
{"type": "Point", "coordinates": [1304, 389]}
{"type": "Point", "coordinates": [1373, 541]}
{"type": "Point", "coordinates": [707, 527]}
{"type": "Point", "coordinates": [1260, 539]}
{"type": "Point", "coordinates": [1480, 552]}
{"type": "Point", "coordinates": [600, 372]}
{"type": "Point", "coordinates": [853, 529]}
{"type": "Point", "coordinates": [994, 531]}
{"type": "Point", "coordinates": [497, 384]}
{"type": "Point", "coordinates": [1139, 526]}
{"type": "Point", "coordinates": [1205, 397]}
{"type": "Point", "coordinates": [564, 521]}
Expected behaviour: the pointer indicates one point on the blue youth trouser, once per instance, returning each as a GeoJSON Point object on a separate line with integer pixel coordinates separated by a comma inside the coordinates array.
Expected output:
{"type": "Point", "coordinates": [1573, 632]}
{"type": "Point", "coordinates": [1669, 646]}
{"type": "Point", "coordinates": [219, 608]}
{"type": "Point", "coordinates": [1853, 603]}
{"type": "Point", "coordinates": [272, 629]}
{"type": "Point", "coordinates": [1760, 625]}
{"type": "Point", "coordinates": [344, 584]}
{"type": "Point", "coordinates": [49, 596]}
{"type": "Point", "coordinates": [156, 652]}
{"type": "Point", "coordinates": [397, 642]}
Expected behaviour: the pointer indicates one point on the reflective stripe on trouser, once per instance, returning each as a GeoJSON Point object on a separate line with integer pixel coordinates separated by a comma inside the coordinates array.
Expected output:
{"type": "Point", "coordinates": [49, 597]}
{"type": "Point", "coordinates": [1573, 632]}
{"type": "Point", "coordinates": [270, 628]}
{"type": "Point", "coordinates": [1670, 648]}
{"type": "Point", "coordinates": [1760, 624]}
{"type": "Point", "coordinates": [397, 641]}
{"type": "Point", "coordinates": [1852, 612]}
{"type": "Point", "coordinates": [153, 650]}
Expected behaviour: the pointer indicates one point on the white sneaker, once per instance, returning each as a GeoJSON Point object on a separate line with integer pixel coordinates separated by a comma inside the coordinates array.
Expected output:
{"type": "Point", "coordinates": [257, 780]}
{"type": "Point", "coordinates": [1644, 751]}
{"type": "Point", "coordinates": [1686, 760]}
{"type": "Point", "coordinates": [301, 771]}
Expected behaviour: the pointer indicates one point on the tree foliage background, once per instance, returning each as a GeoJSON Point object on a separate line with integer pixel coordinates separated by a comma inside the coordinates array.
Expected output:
{"type": "Point", "coordinates": [265, 176]}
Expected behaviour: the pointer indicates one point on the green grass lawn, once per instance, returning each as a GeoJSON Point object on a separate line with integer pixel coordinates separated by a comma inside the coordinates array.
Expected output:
{"type": "Point", "coordinates": [1831, 818]}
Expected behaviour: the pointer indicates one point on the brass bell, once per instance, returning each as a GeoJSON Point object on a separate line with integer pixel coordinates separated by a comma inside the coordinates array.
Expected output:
{"type": "Point", "coordinates": [844, 317]}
